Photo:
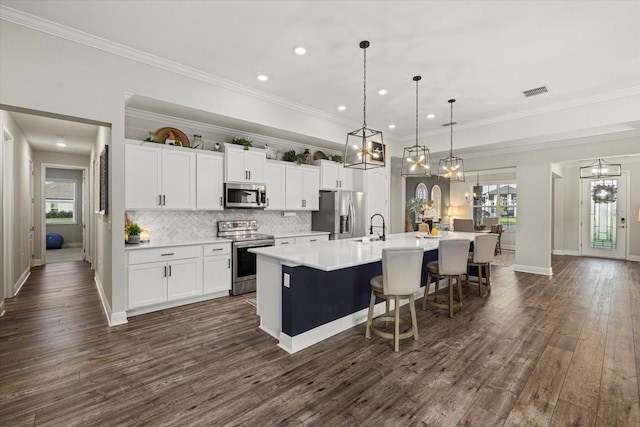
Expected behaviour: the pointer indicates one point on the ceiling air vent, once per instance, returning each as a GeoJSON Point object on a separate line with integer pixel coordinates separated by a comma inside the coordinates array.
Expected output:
{"type": "Point", "coordinates": [537, 91]}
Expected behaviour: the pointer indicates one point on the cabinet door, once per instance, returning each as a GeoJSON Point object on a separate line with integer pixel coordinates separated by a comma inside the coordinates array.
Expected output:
{"type": "Point", "coordinates": [329, 173]}
{"type": "Point", "coordinates": [274, 179]}
{"type": "Point", "coordinates": [285, 241]}
{"type": "Point", "coordinates": [254, 163]}
{"type": "Point", "coordinates": [147, 284]}
{"type": "Point", "coordinates": [209, 182]}
{"type": "Point", "coordinates": [178, 179]}
{"type": "Point", "coordinates": [235, 170]}
{"type": "Point", "coordinates": [345, 178]}
{"type": "Point", "coordinates": [311, 188]}
{"type": "Point", "coordinates": [185, 279]}
{"type": "Point", "coordinates": [217, 274]}
{"type": "Point", "coordinates": [142, 177]}
{"type": "Point", "coordinates": [293, 197]}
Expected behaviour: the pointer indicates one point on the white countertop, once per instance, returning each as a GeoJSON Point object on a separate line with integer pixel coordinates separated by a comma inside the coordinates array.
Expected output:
{"type": "Point", "coordinates": [337, 254]}
{"type": "Point", "coordinates": [155, 243]}
{"type": "Point", "coordinates": [300, 234]}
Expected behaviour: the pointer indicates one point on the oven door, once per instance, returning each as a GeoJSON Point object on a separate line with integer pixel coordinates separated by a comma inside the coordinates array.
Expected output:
{"type": "Point", "coordinates": [244, 262]}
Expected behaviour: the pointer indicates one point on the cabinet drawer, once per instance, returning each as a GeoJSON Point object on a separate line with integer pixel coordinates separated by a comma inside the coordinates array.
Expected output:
{"type": "Point", "coordinates": [164, 254]}
{"type": "Point", "coordinates": [311, 239]}
{"type": "Point", "coordinates": [286, 241]}
{"type": "Point", "coordinates": [215, 249]}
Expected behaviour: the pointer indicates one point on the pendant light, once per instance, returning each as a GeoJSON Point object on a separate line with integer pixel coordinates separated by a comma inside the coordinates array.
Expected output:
{"type": "Point", "coordinates": [601, 169]}
{"type": "Point", "coordinates": [415, 161]}
{"type": "Point", "coordinates": [364, 148]}
{"type": "Point", "coordinates": [451, 167]}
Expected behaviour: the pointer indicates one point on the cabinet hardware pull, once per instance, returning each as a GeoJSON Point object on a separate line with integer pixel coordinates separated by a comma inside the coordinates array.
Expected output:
{"type": "Point", "coordinates": [160, 199]}
{"type": "Point", "coordinates": [284, 243]}
{"type": "Point", "coordinates": [169, 270]}
{"type": "Point", "coordinates": [216, 249]}
{"type": "Point", "coordinates": [313, 240]}
{"type": "Point", "coordinates": [220, 200]}
{"type": "Point", "coordinates": [337, 183]}
{"type": "Point", "coordinates": [165, 271]}
{"type": "Point", "coordinates": [249, 175]}
{"type": "Point", "coordinates": [229, 261]}
{"type": "Point", "coordinates": [164, 200]}
{"type": "Point", "coordinates": [172, 253]}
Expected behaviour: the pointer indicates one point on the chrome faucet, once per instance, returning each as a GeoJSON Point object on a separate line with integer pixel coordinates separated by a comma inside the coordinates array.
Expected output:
{"type": "Point", "coordinates": [383, 238]}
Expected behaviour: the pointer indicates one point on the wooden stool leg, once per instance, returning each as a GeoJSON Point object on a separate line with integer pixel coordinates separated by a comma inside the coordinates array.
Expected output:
{"type": "Point", "coordinates": [396, 326]}
{"type": "Point", "coordinates": [414, 321]}
{"type": "Point", "coordinates": [450, 281]}
{"type": "Point", "coordinates": [480, 280]}
{"type": "Point", "coordinates": [372, 303]}
{"type": "Point", "coordinates": [426, 292]}
{"type": "Point", "coordinates": [459, 280]}
{"type": "Point", "coordinates": [488, 275]}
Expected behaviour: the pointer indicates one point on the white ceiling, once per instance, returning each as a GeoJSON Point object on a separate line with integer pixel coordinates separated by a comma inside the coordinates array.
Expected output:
{"type": "Point", "coordinates": [483, 53]}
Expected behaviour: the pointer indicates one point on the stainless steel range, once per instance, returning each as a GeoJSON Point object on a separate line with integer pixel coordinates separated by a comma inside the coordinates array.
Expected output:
{"type": "Point", "coordinates": [244, 236]}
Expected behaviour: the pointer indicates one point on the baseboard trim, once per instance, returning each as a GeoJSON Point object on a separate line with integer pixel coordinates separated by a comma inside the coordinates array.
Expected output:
{"type": "Point", "coordinates": [533, 269]}
{"type": "Point", "coordinates": [72, 245]}
{"type": "Point", "coordinates": [634, 258]}
{"type": "Point", "coordinates": [176, 303]}
{"type": "Point", "coordinates": [21, 281]}
{"type": "Point", "coordinates": [565, 252]}
{"type": "Point", "coordinates": [2, 308]}
{"type": "Point", "coordinates": [508, 247]}
{"type": "Point", "coordinates": [113, 319]}
{"type": "Point", "coordinates": [36, 262]}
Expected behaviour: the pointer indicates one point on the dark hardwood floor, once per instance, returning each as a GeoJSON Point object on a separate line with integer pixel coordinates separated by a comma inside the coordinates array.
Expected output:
{"type": "Point", "coordinates": [540, 351]}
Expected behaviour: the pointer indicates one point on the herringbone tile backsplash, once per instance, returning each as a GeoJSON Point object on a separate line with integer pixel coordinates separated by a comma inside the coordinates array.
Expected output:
{"type": "Point", "coordinates": [181, 225]}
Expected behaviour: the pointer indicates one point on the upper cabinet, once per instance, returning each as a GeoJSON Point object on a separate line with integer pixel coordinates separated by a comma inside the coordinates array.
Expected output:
{"type": "Point", "coordinates": [302, 187]}
{"type": "Point", "coordinates": [334, 176]}
{"type": "Point", "coordinates": [209, 184]}
{"type": "Point", "coordinates": [244, 166]}
{"type": "Point", "coordinates": [274, 179]}
{"type": "Point", "coordinates": [159, 178]}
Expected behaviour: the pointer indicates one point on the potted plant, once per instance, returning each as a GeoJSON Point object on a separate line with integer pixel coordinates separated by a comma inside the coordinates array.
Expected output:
{"type": "Point", "coordinates": [133, 233]}
{"type": "Point", "coordinates": [291, 156]}
{"type": "Point", "coordinates": [241, 140]}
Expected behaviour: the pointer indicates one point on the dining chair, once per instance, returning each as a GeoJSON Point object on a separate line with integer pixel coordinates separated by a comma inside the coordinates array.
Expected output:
{"type": "Point", "coordinates": [453, 255]}
{"type": "Point", "coordinates": [401, 275]}
{"type": "Point", "coordinates": [497, 229]}
{"type": "Point", "coordinates": [490, 221]}
{"type": "Point", "coordinates": [462, 224]}
{"type": "Point", "coordinates": [484, 247]}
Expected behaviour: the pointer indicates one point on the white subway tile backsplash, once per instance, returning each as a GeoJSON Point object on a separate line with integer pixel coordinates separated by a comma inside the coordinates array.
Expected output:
{"type": "Point", "coordinates": [170, 225]}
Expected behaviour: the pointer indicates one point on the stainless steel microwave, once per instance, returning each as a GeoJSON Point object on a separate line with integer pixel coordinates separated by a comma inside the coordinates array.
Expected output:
{"type": "Point", "coordinates": [245, 196]}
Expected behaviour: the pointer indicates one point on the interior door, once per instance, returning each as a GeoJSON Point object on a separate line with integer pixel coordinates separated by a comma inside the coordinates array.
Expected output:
{"type": "Point", "coordinates": [32, 227]}
{"type": "Point", "coordinates": [84, 214]}
{"type": "Point", "coordinates": [604, 217]}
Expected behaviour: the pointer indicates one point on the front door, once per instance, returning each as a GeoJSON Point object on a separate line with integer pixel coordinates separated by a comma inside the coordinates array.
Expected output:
{"type": "Point", "coordinates": [604, 217]}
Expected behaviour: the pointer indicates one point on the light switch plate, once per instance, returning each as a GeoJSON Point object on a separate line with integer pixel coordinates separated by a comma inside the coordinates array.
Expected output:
{"type": "Point", "coordinates": [286, 281]}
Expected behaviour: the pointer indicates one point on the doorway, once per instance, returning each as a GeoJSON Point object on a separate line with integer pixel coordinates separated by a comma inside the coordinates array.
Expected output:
{"type": "Point", "coordinates": [604, 217]}
{"type": "Point", "coordinates": [64, 213]}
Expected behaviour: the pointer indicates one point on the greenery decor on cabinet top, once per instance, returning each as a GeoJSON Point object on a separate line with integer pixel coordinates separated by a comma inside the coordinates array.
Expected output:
{"type": "Point", "coordinates": [241, 140]}
{"type": "Point", "coordinates": [291, 156]}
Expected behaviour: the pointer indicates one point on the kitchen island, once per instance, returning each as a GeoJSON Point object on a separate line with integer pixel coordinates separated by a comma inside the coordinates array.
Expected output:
{"type": "Point", "coordinates": [309, 292]}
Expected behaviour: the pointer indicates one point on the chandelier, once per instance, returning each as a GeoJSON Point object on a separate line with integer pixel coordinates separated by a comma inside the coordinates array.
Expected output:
{"type": "Point", "coordinates": [364, 148]}
{"type": "Point", "coordinates": [601, 169]}
{"type": "Point", "coordinates": [415, 161]}
{"type": "Point", "coordinates": [451, 167]}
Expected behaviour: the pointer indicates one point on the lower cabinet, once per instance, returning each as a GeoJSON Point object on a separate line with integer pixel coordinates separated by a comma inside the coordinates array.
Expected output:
{"type": "Point", "coordinates": [217, 267]}
{"type": "Point", "coordinates": [164, 275]}
{"type": "Point", "coordinates": [302, 239]}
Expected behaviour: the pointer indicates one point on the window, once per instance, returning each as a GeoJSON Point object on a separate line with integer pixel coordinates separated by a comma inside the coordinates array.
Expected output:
{"type": "Point", "coordinates": [421, 193]}
{"type": "Point", "coordinates": [436, 197]}
{"type": "Point", "coordinates": [497, 200]}
{"type": "Point", "coordinates": [60, 201]}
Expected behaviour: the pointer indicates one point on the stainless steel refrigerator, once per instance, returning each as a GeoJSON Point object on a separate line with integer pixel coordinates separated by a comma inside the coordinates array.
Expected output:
{"type": "Point", "coordinates": [341, 213]}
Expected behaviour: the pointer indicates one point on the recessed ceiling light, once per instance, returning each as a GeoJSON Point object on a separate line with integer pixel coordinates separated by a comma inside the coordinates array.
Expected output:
{"type": "Point", "coordinates": [392, 126]}
{"type": "Point", "coordinates": [431, 116]}
{"type": "Point", "coordinates": [300, 50]}
{"type": "Point", "coordinates": [263, 78]}
{"type": "Point", "coordinates": [382, 92]}
{"type": "Point", "coordinates": [61, 144]}
{"type": "Point", "coordinates": [342, 108]}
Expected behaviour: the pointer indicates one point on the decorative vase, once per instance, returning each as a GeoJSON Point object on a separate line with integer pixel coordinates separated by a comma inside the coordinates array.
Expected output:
{"type": "Point", "coordinates": [133, 239]}
{"type": "Point", "coordinates": [308, 157]}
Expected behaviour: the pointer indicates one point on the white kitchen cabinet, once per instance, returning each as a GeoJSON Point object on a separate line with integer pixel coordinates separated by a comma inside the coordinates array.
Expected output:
{"type": "Point", "coordinates": [244, 166]}
{"type": "Point", "coordinates": [312, 238]}
{"type": "Point", "coordinates": [302, 188]}
{"type": "Point", "coordinates": [209, 181]}
{"type": "Point", "coordinates": [334, 176]}
{"type": "Point", "coordinates": [163, 274]}
{"type": "Point", "coordinates": [217, 268]}
{"type": "Point", "coordinates": [274, 179]}
{"type": "Point", "coordinates": [158, 177]}
{"type": "Point", "coordinates": [285, 241]}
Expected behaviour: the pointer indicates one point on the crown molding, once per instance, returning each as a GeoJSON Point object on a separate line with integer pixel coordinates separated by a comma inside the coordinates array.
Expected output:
{"type": "Point", "coordinates": [49, 27]}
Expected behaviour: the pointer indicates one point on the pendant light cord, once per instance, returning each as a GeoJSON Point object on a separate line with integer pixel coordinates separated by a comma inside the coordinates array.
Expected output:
{"type": "Point", "coordinates": [364, 105]}
{"type": "Point", "coordinates": [451, 101]}
{"type": "Point", "coordinates": [417, 79]}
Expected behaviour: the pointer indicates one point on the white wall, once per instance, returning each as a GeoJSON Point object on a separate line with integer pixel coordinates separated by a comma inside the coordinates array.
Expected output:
{"type": "Point", "coordinates": [18, 211]}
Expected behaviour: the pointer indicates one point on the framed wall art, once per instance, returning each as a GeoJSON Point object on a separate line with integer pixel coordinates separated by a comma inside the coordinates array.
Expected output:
{"type": "Point", "coordinates": [104, 181]}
